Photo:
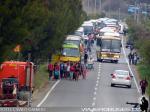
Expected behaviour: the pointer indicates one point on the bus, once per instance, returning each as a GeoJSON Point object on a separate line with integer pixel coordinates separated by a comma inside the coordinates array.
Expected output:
{"type": "Point", "coordinates": [109, 48]}
{"type": "Point", "coordinates": [75, 40]}
{"type": "Point", "coordinates": [70, 52]}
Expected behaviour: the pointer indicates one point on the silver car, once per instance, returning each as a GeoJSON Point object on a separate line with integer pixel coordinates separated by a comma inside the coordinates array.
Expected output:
{"type": "Point", "coordinates": [121, 77]}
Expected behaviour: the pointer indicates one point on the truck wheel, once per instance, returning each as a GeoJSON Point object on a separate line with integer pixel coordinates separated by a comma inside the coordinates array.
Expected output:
{"type": "Point", "coordinates": [23, 95]}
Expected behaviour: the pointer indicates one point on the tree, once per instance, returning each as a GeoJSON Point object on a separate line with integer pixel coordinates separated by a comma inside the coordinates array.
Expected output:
{"type": "Point", "coordinates": [37, 25]}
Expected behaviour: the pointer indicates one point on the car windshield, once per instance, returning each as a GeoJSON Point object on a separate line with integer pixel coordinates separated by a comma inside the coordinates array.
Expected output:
{"type": "Point", "coordinates": [77, 42]}
{"type": "Point", "coordinates": [71, 52]}
{"type": "Point", "coordinates": [88, 29]}
{"type": "Point", "coordinates": [120, 72]}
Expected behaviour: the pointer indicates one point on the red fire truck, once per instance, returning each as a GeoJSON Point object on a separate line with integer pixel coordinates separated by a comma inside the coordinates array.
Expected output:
{"type": "Point", "coordinates": [16, 83]}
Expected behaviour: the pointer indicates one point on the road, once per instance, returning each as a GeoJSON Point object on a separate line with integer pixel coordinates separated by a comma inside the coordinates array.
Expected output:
{"type": "Point", "coordinates": [95, 91]}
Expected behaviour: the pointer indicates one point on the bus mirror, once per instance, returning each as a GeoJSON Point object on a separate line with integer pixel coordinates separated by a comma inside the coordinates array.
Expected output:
{"type": "Point", "coordinates": [64, 53]}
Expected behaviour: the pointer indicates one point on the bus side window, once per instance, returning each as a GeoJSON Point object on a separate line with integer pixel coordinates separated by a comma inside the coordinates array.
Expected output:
{"type": "Point", "coordinates": [98, 42]}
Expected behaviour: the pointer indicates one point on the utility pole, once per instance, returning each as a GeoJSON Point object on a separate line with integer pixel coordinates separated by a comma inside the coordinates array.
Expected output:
{"type": "Point", "coordinates": [100, 5]}
{"type": "Point", "coordinates": [145, 16]}
{"type": "Point", "coordinates": [119, 15]}
{"type": "Point", "coordinates": [95, 7]}
{"type": "Point", "coordinates": [88, 6]}
{"type": "Point", "coordinates": [109, 7]}
{"type": "Point", "coordinates": [135, 4]}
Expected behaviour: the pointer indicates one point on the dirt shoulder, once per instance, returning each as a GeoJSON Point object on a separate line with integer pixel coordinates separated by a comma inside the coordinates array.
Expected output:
{"type": "Point", "coordinates": [39, 94]}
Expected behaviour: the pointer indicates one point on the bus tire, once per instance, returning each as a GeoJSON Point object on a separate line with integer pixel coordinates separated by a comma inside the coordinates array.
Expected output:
{"type": "Point", "coordinates": [100, 60]}
{"type": "Point", "coordinates": [116, 61]}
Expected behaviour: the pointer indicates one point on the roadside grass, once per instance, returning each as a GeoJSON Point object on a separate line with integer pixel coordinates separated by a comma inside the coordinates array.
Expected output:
{"type": "Point", "coordinates": [41, 76]}
{"type": "Point", "coordinates": [144, 71]}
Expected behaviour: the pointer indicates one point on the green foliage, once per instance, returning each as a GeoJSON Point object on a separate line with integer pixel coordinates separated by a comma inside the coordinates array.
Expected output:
{"type": "Point", "coordinates": [140, 34]}
{"type": "Point", "coordinates": [144, 71]}
{"type": "Point", "coordinates": [145, 51]}
{"type": "Point", "coordinates": [40, 26]}
{"type": "Point", "coordinates": [96, 16]}
{"type": "Point", "coordinates": [41, 77]}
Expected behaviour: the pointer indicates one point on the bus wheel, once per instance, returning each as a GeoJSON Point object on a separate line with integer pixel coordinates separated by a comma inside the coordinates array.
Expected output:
{"type": "Point", "coordinates": [97, 60]}
{"type": "Point", "coordinates": [116, 61]}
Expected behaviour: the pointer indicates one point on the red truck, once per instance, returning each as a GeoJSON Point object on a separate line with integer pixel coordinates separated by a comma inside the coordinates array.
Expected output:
{"type": "Point", "coordinates": [16, 83]}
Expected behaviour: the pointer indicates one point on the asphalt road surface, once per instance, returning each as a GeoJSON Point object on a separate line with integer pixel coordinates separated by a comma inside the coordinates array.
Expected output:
{"type": "Point", "coordinates": [94, 92]}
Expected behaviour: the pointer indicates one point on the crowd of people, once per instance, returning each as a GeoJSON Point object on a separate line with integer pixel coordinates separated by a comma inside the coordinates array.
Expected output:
{"type": "Point", "coordinates": [66, 70]}
{"type": "Point", "coordinates": [73, 70]}
{"type": "Point", "coordinates": [133, 56]}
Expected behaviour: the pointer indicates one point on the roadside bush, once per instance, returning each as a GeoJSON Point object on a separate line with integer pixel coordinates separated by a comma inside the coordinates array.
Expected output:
{"type": "Point", "coordinates": [145, 51]}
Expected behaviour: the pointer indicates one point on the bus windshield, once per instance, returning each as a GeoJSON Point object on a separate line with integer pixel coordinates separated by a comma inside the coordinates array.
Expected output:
{"type": "Point", "coordinates": [106, 45]}
{"type": "Point", "coordinates": [74, 52]}
{"type": "Point", "coordinates": [78, 33]}
{"type": "Point", "coordinates": [115, 47]}
{"type": "Point", "coordinates": [77, 42]}
{"type": "Point", "coordinates": [88, 29]}
{"type": "Point", "coordinates": [109, 45]}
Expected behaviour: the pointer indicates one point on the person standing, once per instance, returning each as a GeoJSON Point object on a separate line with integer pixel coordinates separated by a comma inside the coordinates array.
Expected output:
{"type": "Point", "coordinates": [135, 58]}
{"type": "Point", "coordinates": [85, 58]}
{"type": "Point", "coordinates": [50, 70]}
{"type": "Point", "coordinates": [68, 69]}
{"type": "Point", "coordinates": [131, 48]}
{"type": "Point", "coordinates": [65, 70]}
{"type": "Point", "coordinates": [72, 70]}
{"type": "Point", "coordinates": [61, 70]}
{"type": "Point", "coordinates": [143, 84]}
{"type": "Point", "coordinates": [56, 71]}
{"type": "Point", "coordinates": [130, 57]}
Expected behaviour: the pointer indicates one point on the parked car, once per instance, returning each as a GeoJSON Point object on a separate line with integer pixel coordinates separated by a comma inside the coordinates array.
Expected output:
{"type": "Point", "coordinates": [121, 77]}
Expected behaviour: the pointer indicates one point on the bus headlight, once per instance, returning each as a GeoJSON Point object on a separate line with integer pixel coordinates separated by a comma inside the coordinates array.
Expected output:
{"type": "Point", "coordinates": [116, 56]}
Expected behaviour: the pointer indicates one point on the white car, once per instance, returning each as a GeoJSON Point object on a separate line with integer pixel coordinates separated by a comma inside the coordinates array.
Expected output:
{"type": "Point", "coordinates": [121, 77]}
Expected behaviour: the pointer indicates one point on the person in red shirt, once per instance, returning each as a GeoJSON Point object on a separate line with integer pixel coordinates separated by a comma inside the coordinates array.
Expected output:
{"type": "Point", "coordinates": [50, 70]}
{"type": "Point", "coordinates": [143, 84]}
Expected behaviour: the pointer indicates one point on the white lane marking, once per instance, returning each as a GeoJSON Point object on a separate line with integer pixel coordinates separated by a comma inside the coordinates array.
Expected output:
{"type": "Point", "coordinates": [130, 67]}
{"type": "Point", "coordinates": [96, 84]}
{"type": "Point", "coordinates": [97, 81]}
{"type": "Point", "coordinates": [48, 93]}
{"type": "Point", "coordinates": [95, 88]}
{"type": "Point", "coordinates": [94, 98]}
{"type": "Point", "coordinates": [93, 104]}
